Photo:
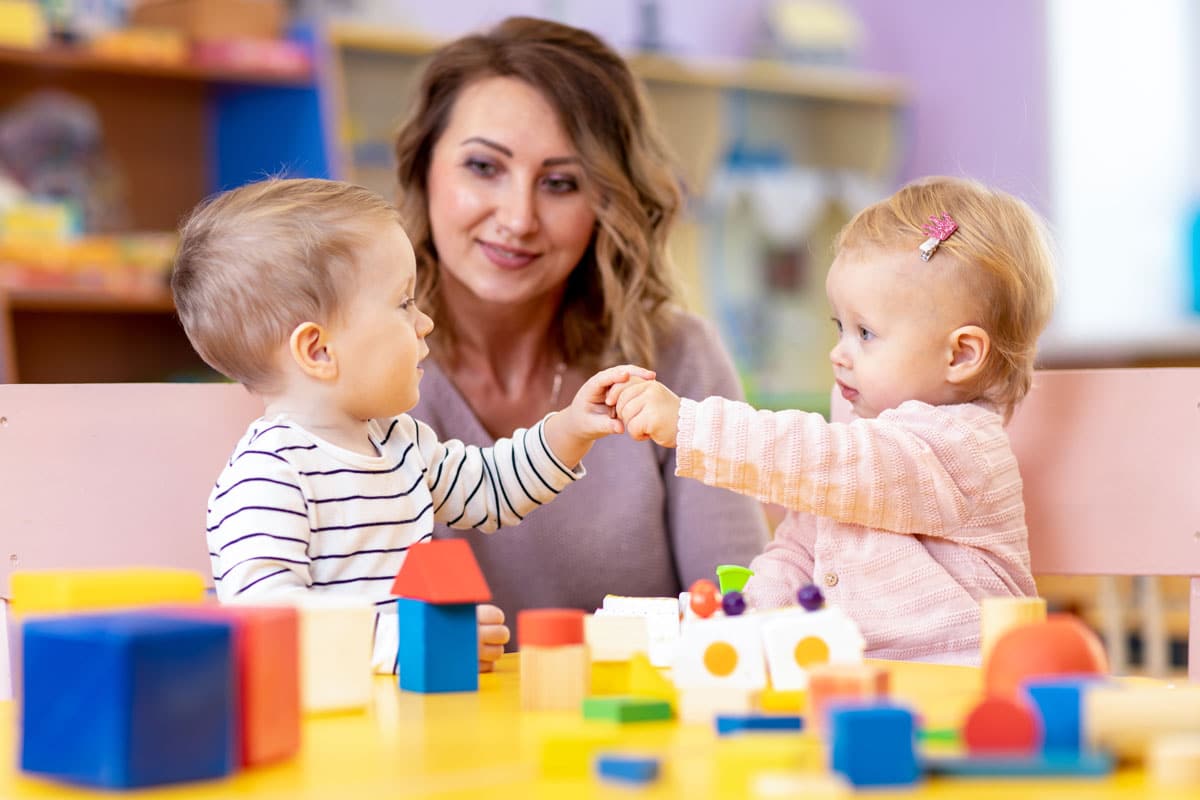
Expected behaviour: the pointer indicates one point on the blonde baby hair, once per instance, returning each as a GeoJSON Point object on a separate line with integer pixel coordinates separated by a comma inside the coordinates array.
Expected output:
{"type": "Point", "coordinates": [1001, 254]}
{"type": "Point", "coordinates": [256, 261]}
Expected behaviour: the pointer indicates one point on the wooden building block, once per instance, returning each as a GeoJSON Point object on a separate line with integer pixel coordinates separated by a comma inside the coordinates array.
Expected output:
{"type": "Point", "coordinates": [873, 746]}
{"type": "Point", "coordinates": [616, 637]}
{"type": "Point", "coordinates": [53, 591]}
{"type": "Point", "coordinates": [336, 634]}
{"type": "Point", "coordinates": [721, 652]}
{"type": "Point", "coordinates": [439, 646]}
{"type": "Point", "coordinates": [1174, 760]}
{"type": "Point", "coordinates": [128, 699]}
{"type": "Point", "coordinates": [646, 680]}
{"type": "Point", "coordinates": [704, 704]}
{"type": "Point", "coordinates": [627, 769]}
{"type": "Point", "coordinates": [1002, 726]}
{"type": "Point", "coordinates": [554, 678]}
{"type": "Point", "coordinates": [796, 640]}
{"type": "Point", "coordinates": [626, 709]}
{"type": "Point", "coordinates": [609, 678]}
{"type": "Point", "coordinates": [999, 614]}
{"type": "Point", "coordinates": [1124, 720]}
{"type": "Point", "coordinates": [266, 651]}
{"type": "Point", "coordinates": [832, 683]}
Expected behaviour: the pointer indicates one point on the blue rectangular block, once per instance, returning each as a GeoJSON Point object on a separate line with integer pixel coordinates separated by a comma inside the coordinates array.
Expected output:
{"type": "Point", "coordinates": [439, 647]}
{"type": "Point", "coordinates": [873, 745]}
{"type": "Point", "coordinates": [735, 723]}
{"type": "Point", "coordinates": [627, 768]}
{"type": "Point", "coordinates": [1058, 701]}
{"type": "Point", "coordinates": [128, 700]}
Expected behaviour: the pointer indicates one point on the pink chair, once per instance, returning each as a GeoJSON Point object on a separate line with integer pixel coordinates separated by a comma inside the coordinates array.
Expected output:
{"type": "Point", "coordinates": [100, 475]}
{"type": "Point", "coordinates": [1110, 460]}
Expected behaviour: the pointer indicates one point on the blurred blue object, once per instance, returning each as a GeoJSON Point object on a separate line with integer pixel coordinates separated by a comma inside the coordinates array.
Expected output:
{"type": "Point", "coordinates": [128, 699]}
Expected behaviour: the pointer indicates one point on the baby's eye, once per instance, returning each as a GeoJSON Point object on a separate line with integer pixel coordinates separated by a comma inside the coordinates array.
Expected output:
{"type": "Point", "coordinates": [865, 334]}
{"type": "Point", "coordinates": [837, 323]}
{"type": "Point", "coordinates": [407, 303]}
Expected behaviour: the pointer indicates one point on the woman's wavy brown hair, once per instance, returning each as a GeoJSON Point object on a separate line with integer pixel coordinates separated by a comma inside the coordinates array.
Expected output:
{"type": "Point", "coordinates": [617, 298]}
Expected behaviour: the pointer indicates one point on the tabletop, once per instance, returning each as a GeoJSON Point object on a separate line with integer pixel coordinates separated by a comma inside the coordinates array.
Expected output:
{"type": "Point", "coordinates": [481, 744]}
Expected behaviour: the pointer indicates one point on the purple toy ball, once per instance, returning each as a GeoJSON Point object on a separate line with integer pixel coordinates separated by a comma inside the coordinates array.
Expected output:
{"type": "Point", "coordinates": [810, 597]}
{"type": "Point", "coordinates": [733, 604]}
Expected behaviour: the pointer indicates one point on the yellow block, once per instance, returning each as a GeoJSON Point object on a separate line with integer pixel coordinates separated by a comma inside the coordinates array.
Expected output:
{"type": "Point", "coordinates": [610, 677]}
{"type": "Point", "coordinates": [646, 681]}
{"type": "Point", "coordinates": [791, 701]}
{"type": "Point", "coordinates": [58, 591]}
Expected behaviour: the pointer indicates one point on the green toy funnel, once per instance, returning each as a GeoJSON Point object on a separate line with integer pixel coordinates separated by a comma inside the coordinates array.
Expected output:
{"type": "Point", "coordinates": [732, 577]}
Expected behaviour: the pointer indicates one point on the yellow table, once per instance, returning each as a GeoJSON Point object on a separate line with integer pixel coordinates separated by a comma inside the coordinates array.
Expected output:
{"type": "Point", "coordinates": [482, 746]}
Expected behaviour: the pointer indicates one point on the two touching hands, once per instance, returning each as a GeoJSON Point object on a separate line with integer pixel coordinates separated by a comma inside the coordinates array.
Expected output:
{"type": "Point", "coordinates": [624, 399]}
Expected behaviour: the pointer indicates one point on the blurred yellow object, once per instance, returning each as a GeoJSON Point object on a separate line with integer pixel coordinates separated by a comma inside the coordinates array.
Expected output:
{"type": "Point", "coordinates": [58, 591]}
{"type": "Point", "coordinates": [143, 46]}
{"type": "Point", "coordinates": [22, 25]}
{"type": "Point", "coordinates": [38, 221]}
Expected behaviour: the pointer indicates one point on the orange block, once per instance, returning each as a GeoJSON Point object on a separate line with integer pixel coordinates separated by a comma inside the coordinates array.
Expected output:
{"type": "Point", "coordinates": [550, 627]}
{"type": "Point", "coordinates": [266, 647]}
{"type": "Point", "coordinates": [1060, 645]}
{"type": "Point", "coordinates": [830, 683]}
{"type": "Point", "coordinates": [442, 571]}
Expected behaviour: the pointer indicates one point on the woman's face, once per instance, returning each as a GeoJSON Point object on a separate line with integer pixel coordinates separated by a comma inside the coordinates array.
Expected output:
{"type": "Point", "coordinates": [508, 208]}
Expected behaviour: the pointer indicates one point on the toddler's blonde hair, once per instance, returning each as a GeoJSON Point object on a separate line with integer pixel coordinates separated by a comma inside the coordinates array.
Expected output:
{"type": "Point", "coordinates": [1002, 254]}
{"type": "Point", "coordinates": [256, 261]}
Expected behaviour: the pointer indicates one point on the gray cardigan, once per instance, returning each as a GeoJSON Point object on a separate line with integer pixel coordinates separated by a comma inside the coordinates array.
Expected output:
{"type": "Point", "coordinates": [630, 527]}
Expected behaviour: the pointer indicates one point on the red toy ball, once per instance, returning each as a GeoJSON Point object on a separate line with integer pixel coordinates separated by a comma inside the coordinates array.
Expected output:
{"type": "Point", "coordinates": [704, 597]}
{"type": "Point", "coordinates": [1061, 645]}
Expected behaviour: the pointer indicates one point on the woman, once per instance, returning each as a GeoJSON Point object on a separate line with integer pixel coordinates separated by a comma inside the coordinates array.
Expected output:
{"type": "Point", "coordinates": [539, 195]}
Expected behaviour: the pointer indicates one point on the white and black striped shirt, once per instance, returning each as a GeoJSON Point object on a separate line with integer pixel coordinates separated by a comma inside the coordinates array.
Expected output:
{"type": "Point", "coordinates": [291, 512]}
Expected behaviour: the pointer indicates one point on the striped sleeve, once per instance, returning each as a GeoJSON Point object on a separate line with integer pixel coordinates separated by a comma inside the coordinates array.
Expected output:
{"type": "Point", "coordinates": [258, 529]}
{"type": "Point", "coordinates": [492, 487]}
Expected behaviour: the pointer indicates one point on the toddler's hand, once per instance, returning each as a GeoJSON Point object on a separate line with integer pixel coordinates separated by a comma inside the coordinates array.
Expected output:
{"type": "Point", "coordinates": [493, 635]}
{"type": "Point", "coordinates": [649, 410]}
{"type": "Point", "coordinates": [591, 414]}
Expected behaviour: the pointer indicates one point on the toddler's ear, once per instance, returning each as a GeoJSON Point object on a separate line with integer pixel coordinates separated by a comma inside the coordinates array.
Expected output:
{"type": "Point", "coordinates": [970, 346]}
{"type": "Point", "coordinates": [309, 348]}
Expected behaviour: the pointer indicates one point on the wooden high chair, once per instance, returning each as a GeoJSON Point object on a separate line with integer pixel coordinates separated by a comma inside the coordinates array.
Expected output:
{"type": "Point", "coordinates": [1110, 461]}
{"type": "Point", "coordinates": [111, 475]}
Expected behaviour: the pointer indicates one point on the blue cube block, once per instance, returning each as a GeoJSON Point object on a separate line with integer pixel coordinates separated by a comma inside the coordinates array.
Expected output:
{"type": "Point", "coordinates": [1058, 701]}
{"type": "Point", "coordinates": [128, 700]}
{"type": "Point", "coordinates": [439, 647]}
{"type": "Point", "coordinates": [873, 745]}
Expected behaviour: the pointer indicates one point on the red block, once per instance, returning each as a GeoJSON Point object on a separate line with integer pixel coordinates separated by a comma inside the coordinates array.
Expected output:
{"type": "Point", "coordinates": [266, 645]}
{"type": "Point", "coordinates": [1000, 725]}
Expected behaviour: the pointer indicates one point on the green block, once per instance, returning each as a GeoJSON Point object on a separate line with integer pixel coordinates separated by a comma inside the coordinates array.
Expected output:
{"type": "Point", "coordinates": [626, 709]}
{"type": "Point", "coordinates": [732, 578]}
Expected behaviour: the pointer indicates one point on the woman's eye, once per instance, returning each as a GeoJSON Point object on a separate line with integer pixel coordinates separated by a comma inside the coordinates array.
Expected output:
{"type": "Point", "coordinates": [481, 167]}
{"type": "Point", "coordinates": [561, 185]}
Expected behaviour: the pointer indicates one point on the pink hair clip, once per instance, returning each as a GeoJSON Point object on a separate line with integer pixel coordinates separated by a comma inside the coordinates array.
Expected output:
{"type": "Point", "coordinates": [938, 230]}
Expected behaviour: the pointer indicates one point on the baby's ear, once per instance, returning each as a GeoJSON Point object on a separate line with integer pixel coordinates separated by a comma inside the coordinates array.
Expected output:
{"type": "Point", "coordinates": [309, 348]}
{"type": "Point", "coordinates": [970, 346]}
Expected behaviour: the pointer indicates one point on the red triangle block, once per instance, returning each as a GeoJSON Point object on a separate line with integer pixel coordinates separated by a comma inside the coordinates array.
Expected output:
{"type": "Point", "coordinates": [442, 571]}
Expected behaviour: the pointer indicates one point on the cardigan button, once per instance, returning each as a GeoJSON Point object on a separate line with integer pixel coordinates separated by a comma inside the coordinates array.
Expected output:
{"type": "Point", "coordinates": [831, 579]}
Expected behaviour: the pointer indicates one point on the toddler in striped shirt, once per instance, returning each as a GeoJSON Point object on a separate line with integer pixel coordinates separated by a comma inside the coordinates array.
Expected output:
{"type": "Point", "coordinates": [912, 512]}
{"type": "Point", "coordinates": [302, 290]}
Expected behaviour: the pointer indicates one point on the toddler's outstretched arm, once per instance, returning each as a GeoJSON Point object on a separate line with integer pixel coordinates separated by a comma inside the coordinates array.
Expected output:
{"type": "Point", "coordinates": [649, 410]}
{"type": "Point", "coordinates": [570, 432]}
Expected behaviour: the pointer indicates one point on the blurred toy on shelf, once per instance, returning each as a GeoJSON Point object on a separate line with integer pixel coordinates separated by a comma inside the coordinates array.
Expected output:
{"type": "Point", "coordinates": [202, 20]}
{"type": "Point", "coordinates": [142, 46]}
{"type": "Point", "coordinates": [22, 25]}
{"type": "Point", "coordinates": [812, 32]}
{"type": "Point", "coordinates": [52, 144]}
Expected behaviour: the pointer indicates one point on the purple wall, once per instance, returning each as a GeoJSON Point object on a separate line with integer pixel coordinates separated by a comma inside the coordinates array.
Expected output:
{"type": "Point", "coordinates": [977, 68]}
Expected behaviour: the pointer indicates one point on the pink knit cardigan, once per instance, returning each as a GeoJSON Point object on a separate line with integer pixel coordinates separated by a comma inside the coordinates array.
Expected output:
{"type": "Point", "coordinates": [904, 521]}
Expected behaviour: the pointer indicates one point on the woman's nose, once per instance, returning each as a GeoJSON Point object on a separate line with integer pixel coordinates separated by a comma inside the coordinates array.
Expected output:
{"type": "Point", "coordinates": [516, 211]}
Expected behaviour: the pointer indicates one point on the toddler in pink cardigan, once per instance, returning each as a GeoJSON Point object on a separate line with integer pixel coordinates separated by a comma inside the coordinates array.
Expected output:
{"type": "Point", "coordinates": [912, 512]}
